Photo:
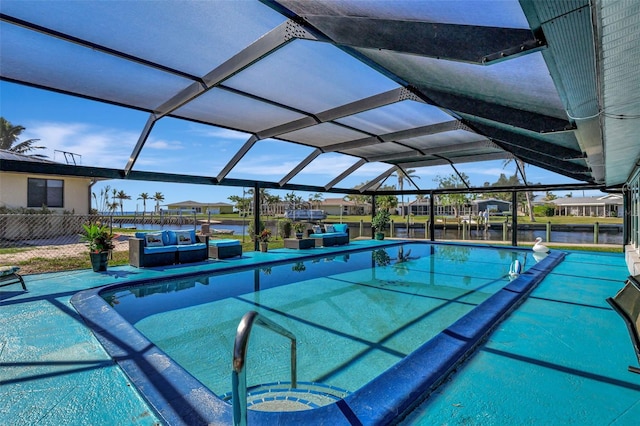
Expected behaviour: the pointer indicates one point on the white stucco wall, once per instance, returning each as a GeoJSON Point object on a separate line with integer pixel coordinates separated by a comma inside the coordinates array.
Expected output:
{"type": "Point", "coordinates": [13, 191]}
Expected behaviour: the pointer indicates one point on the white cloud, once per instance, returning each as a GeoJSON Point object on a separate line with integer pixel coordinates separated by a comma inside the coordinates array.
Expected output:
{"type": "Point", "coordinates": [265, 165]}
{"type": "Point", "coordinates": [93, 145]}
{"type": "Point", "coordinates": [163, 144]}
{"type": "Point", "coordinates": [219, 133]}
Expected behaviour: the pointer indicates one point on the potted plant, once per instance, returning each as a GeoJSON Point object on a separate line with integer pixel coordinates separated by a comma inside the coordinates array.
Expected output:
{"type": "Point", "coordinates": [380, 222]}
{"type": "Point", "coordinates": [299, 228]}
{"type": "Point", "coordinates": [99, 239]}
{"type": "Point", "coordinates": [263, 238]}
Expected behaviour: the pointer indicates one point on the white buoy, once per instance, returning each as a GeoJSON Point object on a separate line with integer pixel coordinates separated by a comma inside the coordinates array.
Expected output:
{"type": "Point", "coordinates": [538, 247]}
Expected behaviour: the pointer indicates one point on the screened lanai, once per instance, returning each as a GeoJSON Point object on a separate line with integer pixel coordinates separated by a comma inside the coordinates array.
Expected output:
{"type": "Point", "coordinates": [386, 86]}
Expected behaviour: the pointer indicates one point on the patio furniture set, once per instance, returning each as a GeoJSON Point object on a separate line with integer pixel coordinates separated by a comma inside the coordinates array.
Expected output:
{"type": "Point", "coordinates": [171, 247]}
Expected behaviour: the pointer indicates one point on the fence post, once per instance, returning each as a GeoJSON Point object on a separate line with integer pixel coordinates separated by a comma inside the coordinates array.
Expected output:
{"type": "Point", "coordinates": [361, 227]}
{"type": "Point", "coordinates": [464, 230]}
{"type": "Point", "coordinates": [391, 229]}
{"type": "Point", "coordinates": [548, 231]}
{"type": "Point", "coordinates": [426, 230]}
{"type": "Point", "coordinates": [596, 232]}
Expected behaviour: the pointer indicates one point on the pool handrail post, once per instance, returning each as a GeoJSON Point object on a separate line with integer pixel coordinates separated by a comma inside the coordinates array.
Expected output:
{"type": "Point", "coordinates": [432, 217]}
{"type": "Point", "coordinates": [514, 218]}
{"type": "Point", "coordinates": [239, 374]}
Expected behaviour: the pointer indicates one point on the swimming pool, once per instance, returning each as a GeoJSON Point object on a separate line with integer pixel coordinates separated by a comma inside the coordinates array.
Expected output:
{"type": "Point", "coordinates": [361, 320]}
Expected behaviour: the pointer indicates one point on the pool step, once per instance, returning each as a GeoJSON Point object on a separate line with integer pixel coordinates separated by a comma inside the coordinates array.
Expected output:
{"type": "Point", "coordinates": [280, 396]}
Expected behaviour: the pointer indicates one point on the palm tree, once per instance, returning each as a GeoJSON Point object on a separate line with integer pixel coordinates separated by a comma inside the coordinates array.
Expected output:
{"type": "Point", "coordinates": [402, 176]}
{"type": "Point", "coordinates": [317, 198]}
{"type": "Point", "coordinates": [121, 195]}
{"type": "Point", "coordinates": [9, 135]}
{"type": "Point", "coordinates": [144, 197]}
{"type": "Point", "coordinates": [113, 206]}
{"type": "Point", "coordinates": [158, 197]}
{"type": "Point", "coordinates": [521, 165]}
{"type": "Point", "coordinates": [102, 203]}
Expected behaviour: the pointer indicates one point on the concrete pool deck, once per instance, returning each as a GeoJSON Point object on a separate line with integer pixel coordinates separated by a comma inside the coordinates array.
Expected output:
{"type": "Point", "coordinates": [562, 355]}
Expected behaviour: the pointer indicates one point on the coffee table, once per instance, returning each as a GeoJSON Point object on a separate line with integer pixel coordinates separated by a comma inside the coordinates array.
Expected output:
{"type": "Point", "coordinates": [299, 244]}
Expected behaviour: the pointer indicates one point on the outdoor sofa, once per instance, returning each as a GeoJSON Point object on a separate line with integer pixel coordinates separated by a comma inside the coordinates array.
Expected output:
{"type": "Point", "coordinates": [329, 235]}
{"type": "Point", "coordinates": [167, 248]}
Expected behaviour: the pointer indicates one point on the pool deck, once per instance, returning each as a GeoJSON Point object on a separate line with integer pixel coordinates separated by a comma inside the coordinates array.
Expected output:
{"type": "Point", "coordinates": [560, 358]}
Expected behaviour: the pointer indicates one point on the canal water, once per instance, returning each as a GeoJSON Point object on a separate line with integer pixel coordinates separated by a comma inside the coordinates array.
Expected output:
{"type": "Point", "coordinates": [605, 236]}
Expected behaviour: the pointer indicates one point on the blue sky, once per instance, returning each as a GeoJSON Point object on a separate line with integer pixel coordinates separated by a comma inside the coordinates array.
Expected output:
{"type": "Point", "coordinates": [105, 135]}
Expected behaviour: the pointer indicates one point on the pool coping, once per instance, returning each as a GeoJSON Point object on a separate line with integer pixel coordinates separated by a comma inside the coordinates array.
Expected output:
{"type": "Point", "coordinates": [180, 399]}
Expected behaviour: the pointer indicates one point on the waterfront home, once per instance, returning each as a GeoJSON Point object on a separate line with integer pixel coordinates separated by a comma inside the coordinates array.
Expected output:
{"type": "Point", "coordinates": [610, 205]}
{"type": "Point", "coordinates": [194, 206]}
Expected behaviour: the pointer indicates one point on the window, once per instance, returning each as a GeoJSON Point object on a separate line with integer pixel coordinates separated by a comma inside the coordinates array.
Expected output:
{"type": "Point", "coordinates": [45, 192]}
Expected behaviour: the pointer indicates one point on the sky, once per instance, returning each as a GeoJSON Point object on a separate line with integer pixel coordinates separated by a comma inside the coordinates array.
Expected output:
{"type": "Point", "coordinates": [103, 135]}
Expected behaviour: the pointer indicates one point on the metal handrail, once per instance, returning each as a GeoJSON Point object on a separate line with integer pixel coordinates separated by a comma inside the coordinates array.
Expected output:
{"type": "Point", "coordinates": [239, 375]}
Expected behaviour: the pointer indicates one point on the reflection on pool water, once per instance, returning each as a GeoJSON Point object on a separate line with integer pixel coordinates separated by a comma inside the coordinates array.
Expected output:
{"type": "Point", "coordinates": [354, 315]}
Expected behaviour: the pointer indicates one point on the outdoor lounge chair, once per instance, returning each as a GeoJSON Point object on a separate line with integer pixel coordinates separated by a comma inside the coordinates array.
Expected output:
{"type": "Point", "coordinates": [9, 275]}
{"type": "Point", "coordinates": [627, 304]}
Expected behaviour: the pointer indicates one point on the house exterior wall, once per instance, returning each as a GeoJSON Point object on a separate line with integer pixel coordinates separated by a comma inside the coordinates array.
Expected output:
{"type": "Point", "coordinates": [201, 208]}
{"type": "Point", "coordinates": [608, 206]}
{"type": "Point", "coordinates": [13, 191]}
{"type": "Point", "coordinates": [493, 206]}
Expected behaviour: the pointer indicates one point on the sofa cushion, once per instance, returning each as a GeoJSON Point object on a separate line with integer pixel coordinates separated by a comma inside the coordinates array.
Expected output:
{"type": "Point", "coordinates": [189, 247]}
{"type": "Point", "coordinates": [183, 237]}
{"type": "Point", "coordinates": [317, 229]}
{"type": "Point", "coordinates": [329, 228]}
{"type": "Point", "coordinates": [153, 239]}
{"type": "Point", "coordinates": [224, 243]}
{"type": "Point", "coordinates": [8, 270]}
{"type": "Point", "coordinates": [321, 235]}
{"type": "Point", "coordinates": [340, 227]}
{"type": "Point", "coordinates": [160, 249]}
{"type": "Point", "coordinates": [169, 238]}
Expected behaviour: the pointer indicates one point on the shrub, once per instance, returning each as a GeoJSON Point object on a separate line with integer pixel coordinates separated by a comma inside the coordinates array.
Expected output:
{"type": "Point", "coordinates": [546, 210]}
{"type": "Point", "coordinates": [284, 228]}
{"type": "Point", "coordinates": [251, 230]}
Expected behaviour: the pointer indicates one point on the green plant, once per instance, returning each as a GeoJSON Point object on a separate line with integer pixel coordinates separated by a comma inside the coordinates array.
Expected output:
{"type": "Point", "coordinates": [285, 228]}
{"type": "Point", "coordinates": [97, 236]}
{"type": "Point", "coordinates": [546, 210]}
{"type": "Point", "coordinates": [251, 229]}
{"type": "Point", "coordinates": [264, 236]}
{"type": "Point", "coordinates": [299, 227]}
{"type": "Point", "coordinates": [381, 220]}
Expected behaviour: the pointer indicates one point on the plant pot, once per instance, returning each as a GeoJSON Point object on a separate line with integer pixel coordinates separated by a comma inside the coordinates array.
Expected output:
{"type": "Point", "coordinates": [299, 235]}
{"type": "Point", "coordinates": [99, 261]}
{"type": "Point", "coordinates": [264, 247]}
{"type": "Point", "coordinates": [379, 235]}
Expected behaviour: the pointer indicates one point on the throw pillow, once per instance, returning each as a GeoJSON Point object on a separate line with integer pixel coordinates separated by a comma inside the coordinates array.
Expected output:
{"type": "Point", "coordinates": [152, 239]}
{"type": "Point", "coordinates": [342, 227]}
{"type": "Point", "coordinates": [316, 229]}
{"type": "Point", "coordinates": [184, 237]}
{"type": "Point", "coordinates": [329, 228]}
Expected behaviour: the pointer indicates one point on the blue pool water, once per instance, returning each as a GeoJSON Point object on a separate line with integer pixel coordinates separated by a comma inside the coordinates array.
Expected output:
{"type": "Point", "coordinates": [372, 308]}
{"type": "Point", "coordinates": [357, 317]}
